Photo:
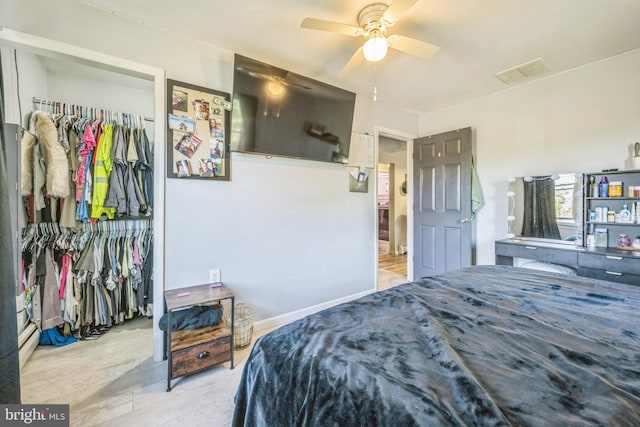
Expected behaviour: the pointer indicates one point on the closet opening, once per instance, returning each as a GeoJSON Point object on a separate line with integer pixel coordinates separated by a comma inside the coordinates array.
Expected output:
{"type": "Point", "coordinates": [103, 258]}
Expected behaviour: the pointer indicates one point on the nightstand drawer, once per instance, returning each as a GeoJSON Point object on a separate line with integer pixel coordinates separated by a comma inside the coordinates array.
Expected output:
{"type": "Point", "coordinates": [610, 262]}
{"type": "Point", "coordinates": [200, 356]}
{"type": "Point", "coordinates": [610, 275]}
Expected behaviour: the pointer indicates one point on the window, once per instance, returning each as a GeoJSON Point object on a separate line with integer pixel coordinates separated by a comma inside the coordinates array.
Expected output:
{"type": "Point", "coordinates": [565, 200]}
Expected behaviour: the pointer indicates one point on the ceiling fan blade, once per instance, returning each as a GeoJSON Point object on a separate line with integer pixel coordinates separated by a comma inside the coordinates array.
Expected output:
{"type": "Point", "coordinates": [412, 46]}
{"type": "Point", "coordinates": [396, 10]}
{"type": "Point", "coordinates": [353, 63]}
{"type": "Point", "coordinates": [334, 27]}
{"type": "Point", "coordinates": [259, 75]}
{"type": "Point", "coordinates": [286, 83]}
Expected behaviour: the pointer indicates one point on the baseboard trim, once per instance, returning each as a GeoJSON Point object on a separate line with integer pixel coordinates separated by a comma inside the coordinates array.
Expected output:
{"type": "Point", "coordinates": [28, 347]}
{"type": "Point", "coordinates": [283, 319]}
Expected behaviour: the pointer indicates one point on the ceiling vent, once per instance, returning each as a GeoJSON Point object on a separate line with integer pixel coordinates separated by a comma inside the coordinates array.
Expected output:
{"type": "Point", "coordinates": [523, 71]}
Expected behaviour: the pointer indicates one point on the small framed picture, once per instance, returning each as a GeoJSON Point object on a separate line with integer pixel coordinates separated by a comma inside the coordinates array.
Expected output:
{"type": "Point", "coordinates": [358, 180]}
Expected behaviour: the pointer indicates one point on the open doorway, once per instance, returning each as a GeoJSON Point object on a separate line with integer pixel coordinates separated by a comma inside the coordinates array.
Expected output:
{"type": "Point", "coordinates": [392, 204]}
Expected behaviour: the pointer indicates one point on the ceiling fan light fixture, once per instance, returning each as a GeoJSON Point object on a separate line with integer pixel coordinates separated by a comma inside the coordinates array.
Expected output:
{"type": "Point", "coordinates": [375, 48]}
{"type": "Point", "coordinates": [275, 88]}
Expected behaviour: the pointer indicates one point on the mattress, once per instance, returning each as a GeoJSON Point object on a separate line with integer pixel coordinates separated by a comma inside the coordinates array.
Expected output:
{"type": "Point", "coordinates": [482, 346]}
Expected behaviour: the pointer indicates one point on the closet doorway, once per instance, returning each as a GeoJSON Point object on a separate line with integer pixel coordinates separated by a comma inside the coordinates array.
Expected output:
{"type": "Point", "coordinates": [392, 218]}
{"type": "Point", "coordinates": [42, 68]}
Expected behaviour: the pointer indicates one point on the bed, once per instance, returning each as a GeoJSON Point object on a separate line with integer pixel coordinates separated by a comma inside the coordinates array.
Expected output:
{"type": "Point", "coordinates": [482, 346]}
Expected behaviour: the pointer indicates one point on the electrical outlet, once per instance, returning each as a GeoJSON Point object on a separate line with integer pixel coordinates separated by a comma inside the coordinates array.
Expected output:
{"type": "Point", "coordinates": [214, 276]}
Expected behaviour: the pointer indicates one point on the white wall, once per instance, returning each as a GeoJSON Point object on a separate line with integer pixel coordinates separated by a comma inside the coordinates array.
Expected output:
{"type": "Point", "coordinates": [583, 120]}
{"type": "Point", "coordinates": [287, 234]}
{"type": "Point", "coordinates": [27, 78]}
{"type": "Point", "coordinates": [93, 88]}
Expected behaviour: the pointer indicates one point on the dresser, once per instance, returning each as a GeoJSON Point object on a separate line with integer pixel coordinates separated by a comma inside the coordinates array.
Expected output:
{"type": "Point", "coordinates": [192, 350]}
{"type": "Point", "coordinates": [599, 263]}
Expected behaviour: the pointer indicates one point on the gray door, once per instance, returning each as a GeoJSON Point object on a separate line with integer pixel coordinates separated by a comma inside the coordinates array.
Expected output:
{"type": "Point", "coordinates": [442, 202]}
{"type": "Point", "coordinates": [11, 147]}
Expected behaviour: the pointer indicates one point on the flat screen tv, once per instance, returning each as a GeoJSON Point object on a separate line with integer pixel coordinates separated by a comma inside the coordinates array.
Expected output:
{"type": "Point", "coordinates": [280, 113]}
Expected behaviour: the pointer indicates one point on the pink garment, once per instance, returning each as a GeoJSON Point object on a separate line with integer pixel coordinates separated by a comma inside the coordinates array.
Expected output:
{"type": "Point", "coordinates": [136, 253]}
{"type": "Point", "coordinates": [22, 286]}
{"type": "Point", "coordinates": [66, 261]}
{"type": "Point", "coordinates": [90, 144]}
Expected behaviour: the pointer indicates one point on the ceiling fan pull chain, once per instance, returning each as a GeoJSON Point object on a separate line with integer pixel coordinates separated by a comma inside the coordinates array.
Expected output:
{"type": "Point", "coordinates": [375, 85]}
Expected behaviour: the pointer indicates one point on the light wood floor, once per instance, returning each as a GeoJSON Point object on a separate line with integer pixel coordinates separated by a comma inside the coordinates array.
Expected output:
{"type": "Point", "coordinates": [392, 269]}
{"type": "Point", "coordinates": [387, 260]}
{"type": "Point", "coordinates": [113, 381]}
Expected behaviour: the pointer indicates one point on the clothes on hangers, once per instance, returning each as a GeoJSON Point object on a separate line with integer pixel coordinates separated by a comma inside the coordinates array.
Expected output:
{"type": "Point", "coordinates": [107, 164]}
{"type": "Point", "coordinates": [93, 277]}
{"type": "Point", "coordinates": [80, 167]}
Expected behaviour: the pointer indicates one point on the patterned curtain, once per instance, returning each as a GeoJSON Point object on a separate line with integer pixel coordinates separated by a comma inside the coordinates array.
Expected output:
{"type": "Point", "coordinates": [9, 362]}
{"type": "Point", "coordinates": [539, 218]}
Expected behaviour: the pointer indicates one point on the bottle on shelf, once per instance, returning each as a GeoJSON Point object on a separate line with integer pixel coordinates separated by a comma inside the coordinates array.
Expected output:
{"type": "Point", "coordinates": [625, 214]}
{"type": "Point", "coordinates": [615, 189]}
{"type": "Point", "coordinates": [604, 187]}
{"type": "Point", "coordinates": [593, 187]}
{"type": "Point", "coordinates": [591, 240]}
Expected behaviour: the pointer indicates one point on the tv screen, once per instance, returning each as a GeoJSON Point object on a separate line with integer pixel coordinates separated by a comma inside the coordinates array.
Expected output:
{"type": "Point", "coordinates": [280, 113]}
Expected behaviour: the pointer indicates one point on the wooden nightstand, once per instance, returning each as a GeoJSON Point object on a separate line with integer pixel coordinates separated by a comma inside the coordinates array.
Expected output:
{"type": "Point", "coordinates": [191, 350]}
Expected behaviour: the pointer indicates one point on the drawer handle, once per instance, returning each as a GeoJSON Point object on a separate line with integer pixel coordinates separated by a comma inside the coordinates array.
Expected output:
{"type": "Point", "coordinates": [617, 258]}
{"type": "Point", "coordinates": [614, 273]}
{"type": "Point", "coordinates": [531, 247]}
{"type": "Point", "coordinates": [204, 355]}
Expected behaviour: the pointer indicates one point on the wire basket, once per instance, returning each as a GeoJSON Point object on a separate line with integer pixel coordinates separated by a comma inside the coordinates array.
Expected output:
{"type": "Point", "coordinates": [242, 325]}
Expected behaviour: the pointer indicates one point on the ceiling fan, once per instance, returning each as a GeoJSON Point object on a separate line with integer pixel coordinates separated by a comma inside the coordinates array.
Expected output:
{"type": "Point", "coordinates": [374, 20]}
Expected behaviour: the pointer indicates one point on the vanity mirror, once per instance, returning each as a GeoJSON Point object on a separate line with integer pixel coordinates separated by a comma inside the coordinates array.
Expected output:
{"type": "Point", "coordinates": [546, 207]}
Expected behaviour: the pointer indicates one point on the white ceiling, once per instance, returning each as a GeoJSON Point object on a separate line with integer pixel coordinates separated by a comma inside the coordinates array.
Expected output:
{"type": "Point", "coordinates": [477, 39]}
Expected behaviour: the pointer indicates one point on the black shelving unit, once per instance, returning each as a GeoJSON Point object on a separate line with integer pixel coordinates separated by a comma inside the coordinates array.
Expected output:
{"type": "Point", "coordinates": [632, 229]}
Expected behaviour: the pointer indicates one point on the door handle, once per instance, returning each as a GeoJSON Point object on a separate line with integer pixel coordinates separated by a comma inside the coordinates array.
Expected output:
{"type": "Point", "coordinates": [463, 220]}
{"type": "Point", "coordinates": [204, 354]}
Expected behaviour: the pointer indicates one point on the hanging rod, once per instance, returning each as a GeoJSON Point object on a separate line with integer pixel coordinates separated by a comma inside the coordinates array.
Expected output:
{"type": "Point", "coordinates": [38, 101]}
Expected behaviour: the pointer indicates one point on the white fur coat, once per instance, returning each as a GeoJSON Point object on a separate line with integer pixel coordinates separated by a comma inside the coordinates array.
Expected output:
{"type": "Point", "coordinates": [26, 145]}
{"type": "Point", "coordinates": [57, 183]}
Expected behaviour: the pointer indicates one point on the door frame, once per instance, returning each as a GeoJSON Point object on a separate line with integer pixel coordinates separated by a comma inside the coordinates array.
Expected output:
{"type": "Point", "coordinates": [63, 51]}
{"type": "Point", "coordinates": [408, 138]}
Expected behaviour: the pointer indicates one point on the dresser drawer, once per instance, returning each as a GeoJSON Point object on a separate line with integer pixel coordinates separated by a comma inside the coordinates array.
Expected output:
{"type": "Point", "coordinates": [610, 262]}
{"type": "Point", "coordinates": [200, 356]}
{"type": "Point", "coordinates": [557, 256]}
{"type": "Point", "coordinates": [611, 276]}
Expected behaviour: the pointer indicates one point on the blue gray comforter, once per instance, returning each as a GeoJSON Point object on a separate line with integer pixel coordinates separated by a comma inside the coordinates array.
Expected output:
{"type": "Point", "coordinates": [484, 346]}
